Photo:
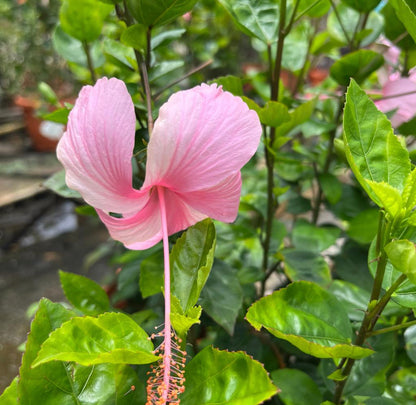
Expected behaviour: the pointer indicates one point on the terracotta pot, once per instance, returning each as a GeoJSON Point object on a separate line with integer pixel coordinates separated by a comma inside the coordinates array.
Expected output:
{"type": "Point", "coordinates": [35, 126]}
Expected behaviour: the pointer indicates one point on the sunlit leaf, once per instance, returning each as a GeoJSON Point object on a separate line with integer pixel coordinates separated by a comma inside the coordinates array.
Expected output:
{"type": "Point", "coordinates": [221, 377]}
{"type": "Point", "coordinates": [10, 394]}
{"type": "Point", "coordinates": [402, 254]}
{"type": "Point", "coordinates": [387, 197]}
{"type": "Point", "coordinates": [310, 318]}
{"type": "Point", "coordinates": [405, 11]}
{"type": "Point", "coordinates": [110, 338]}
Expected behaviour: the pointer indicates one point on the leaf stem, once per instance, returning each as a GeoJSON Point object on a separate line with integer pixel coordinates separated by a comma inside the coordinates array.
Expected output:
{"type": "Point", "coordinates": [391, 328]}
{"type": "Point", "coordinates": [90, 64]}
{"type": "Point", "coordinates": [300, 15]}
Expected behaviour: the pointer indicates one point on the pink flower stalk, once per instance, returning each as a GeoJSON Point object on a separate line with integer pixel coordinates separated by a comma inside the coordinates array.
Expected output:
{"type": "Point", "coordinates": [200, 142]}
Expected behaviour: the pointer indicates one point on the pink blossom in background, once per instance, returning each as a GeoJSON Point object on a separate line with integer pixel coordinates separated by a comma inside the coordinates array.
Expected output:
{"type": "Point", "coordinates": [391, 55]}
{"type": "Point", "coordinates": [405, 105]}
{"type": "Point", "coordinates": [201, 140]}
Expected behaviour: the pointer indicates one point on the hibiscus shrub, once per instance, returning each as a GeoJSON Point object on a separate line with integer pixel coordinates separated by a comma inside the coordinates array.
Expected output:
{"type": "Point", "coordinates": [298, 145]}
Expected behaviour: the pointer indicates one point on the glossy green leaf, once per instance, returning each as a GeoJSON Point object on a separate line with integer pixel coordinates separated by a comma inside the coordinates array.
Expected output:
{"type": "Point", "coordinates": [373, 151]}
{"type": "Point", "coordinates": [182, 322]}
{"type": "Point", "coordinates": [310, 318]}
{"type": "Point", "coordinates": [60, 116]}
{"type": "Point", "coordinates": [307, 236]}
{"type": "Point", "coordinates": [57, 184]}
{"type": "Point", "coordinates": [350, 19]}
{"type": "Point", "coordinates": [222, 377]}
{"type": "Point", "coordinates": [233, 84]}
{"type": "Point", "coordinates": [151, 274]}
{"type": "Point", "coordinates": [363, 227]}
{"type": "Point", "coordinates": [83, 19]}
{"type": "Point", "coordinates": [387, 197]}
{"type": "Point", "coordinates": [402, 385]}
{"type": "Point", "coordinates": [164, 68]}
{"type": "Point", "coordinates": [166, 36]}
{"type": "Point", "coordinates": [406, 294]}
{"type": "Point", "coordinates": [402, 254]}
{"type": "Point", "coordinates": [362, 6]}
{"type": "Point", "coordinates": [119, 53]}
{"type": "Point", "coordinates": [34, 382]}
{"type": "Point", "coordinates": [306, 265]}
{"type": "Point", "coordinates": [406, 14]}
{"type": "Point", "coordinates": [296, 387]}
{"type": "Point", "coordinates": [191, 260]}
{"type": "Point", "coordinates": [274, 114]}
{"type": "Point", "coordinates": [318, 9]}
{"type": "Point", "coordinates": [331, 187]}
{"type": "Point", "coordinates": [110, 338]}
{"type": "Point", "coordinates": [10, 394]}
{"type": "Point", "coordinates": [135, 36]}
{"type": "Point", "coordinates": [297, 117]}
{"type": "Point", "coordinates": [222, 296]}
{"type": "Point", "coordinates": [256, 18]}
{"type": "Point", "coordinates": [71, 49]}
{"type": "Point", "coordinates": [357, 65]}
{"type": "Point", "coordinates": [155, 13]}
{"type": "Point", "coordinates": [409, 191]}
{"type": "Point", "coordinates": [84, 294]}
{"type": "Point", "coordinates": [410, 342]}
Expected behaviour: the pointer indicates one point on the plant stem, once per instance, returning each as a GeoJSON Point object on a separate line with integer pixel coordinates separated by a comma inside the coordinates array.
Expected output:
{"type": "Point", "coordinates": [300, 15]}
{"type": "Point", "coordinates": [87, 51]}
{"type": "Point", "coordinates": [167, 332]}
{"type": "Point", "coordinates": [148, 47]}
{"type": "Point", "coordinates": [329, 156]}
{"type": "Point", "coordinates": [347, 37]}
{"type": "Point", "coordinates": [269, 140]}
{"type": "Point", "coordinates": [391, 328]}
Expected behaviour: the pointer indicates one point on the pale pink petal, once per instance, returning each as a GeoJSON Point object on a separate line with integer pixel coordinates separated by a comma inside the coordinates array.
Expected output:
{"type": "Point", "coordinates": [405, 105]}
{"type": "Point", "coordinates": [143, 230]}
{"type": "Point", "coordinates": [218, 202]}
{"type": "Point", "coordinates": [97, 148]}
{"type": "Point", "coordinates": [202, 136]}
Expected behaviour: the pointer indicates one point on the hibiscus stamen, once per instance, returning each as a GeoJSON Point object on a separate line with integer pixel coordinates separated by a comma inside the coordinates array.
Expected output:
{"type": "Point", "coordinates": [166, 378]}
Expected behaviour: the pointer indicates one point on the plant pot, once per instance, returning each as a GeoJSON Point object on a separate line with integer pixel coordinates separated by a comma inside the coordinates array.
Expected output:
{"type": "Point", "coordinates": [43, 134]}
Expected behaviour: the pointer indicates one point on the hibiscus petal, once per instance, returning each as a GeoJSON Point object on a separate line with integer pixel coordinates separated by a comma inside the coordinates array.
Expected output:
{"type": "Point", "coordinates": [144, 229]}
{"type": "Point", "coordinates": [202, 136]}
{"type": "Point", "coordinates": [218, 202]}
{"type": "Point", "coordinates": [405, 105]}
{"type": "Point", "coordinates": [97, 148]}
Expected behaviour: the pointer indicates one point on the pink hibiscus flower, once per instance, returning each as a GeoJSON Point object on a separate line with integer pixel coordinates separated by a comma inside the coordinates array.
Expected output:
{"type": "Point", "coordinates": [199, 143]}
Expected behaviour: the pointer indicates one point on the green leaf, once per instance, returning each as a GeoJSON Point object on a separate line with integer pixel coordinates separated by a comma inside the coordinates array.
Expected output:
{"type": "Point", "coordinates": [57, 184]}
{"type": "Point", "coordinates": [83, 19]}
{"type": "Point", "coordinates": [307, 236]}
{"type": "Point", "coordinates": [387, 197]}
{"type": "Point", "coordinates": [274, 114]}
{"type": "Point", "coordinates": [331, 187]}
{"type": "Point", "coordinates": [363, 227]}
{"type": "Point", "coordinates": [47, 93]}
{"type": "Point", "coordinates": [362, 6]}
{"type": "Point", "coordinates": [296, 46]}
{"type": "Point", "coordinates": [357, 65]}
{"type": "Point", "coordinates": [10, 394]}
{"type": "Point", "coordinates": [71, 49]}
{"type": "Point", "coordinates": [121, 54]}
{"type": "Point", "coordinates": [297, 117]}
{"type": "Point", "coordinates": [134, 36]}
{"type": "Point", "coordinates": [181, 322]}
{"type": "Point", "coordinates": [296, 387]}
{"type": "Point", "coordinates": [410, 342]}
{"type": "Point", "coordinates": [110, 338]}
{"type": "Point", "coordinates": [151, 274]}
{"type": "Point", "coordinates": [191, 260]}
{"type": "Point", "coordinates": [310, 318]}
{"type": "Point", "coordinates": [306, 265]}
{"type": "Point", "coordinates": [350, 19]}
{"type": "Point", "coordinates": [409, 192]}
{"type": "Point", "coordinates": [406, 15]}
{"type": "Point", "coordinates": [166, 36]}
{"type": "Point", "coordinates": [256, 18]}
{"type": "Point", "coordinates": [222, 296]}
{"type": "Point", "coordinates": [60, 115]}
{"type": "Point", "coordinates": [402, 255]}
{"type": "Point", "coordinates": [155, 13]}
{"type": "Point", "coordinates": [373, 151]}
{"type": "Point", "coordinates": [84, 294]}
{"type": "Point", "coordinates": [34, 382]}
{"type": "Point", "coordinates": [222, 377]}
{"type": "Point", "coordinates": [233, 84]}
{"type": "Point", "coordinates": [402, 385]}
{"type": "Point", "coordinates": [163, 68]}
{"type": "Point", "coordinates": [319, 9]}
